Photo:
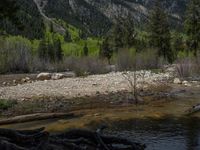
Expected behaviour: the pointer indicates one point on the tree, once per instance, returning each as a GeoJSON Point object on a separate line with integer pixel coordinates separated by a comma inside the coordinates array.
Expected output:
{"type": "Point", "coordinates": [43, 50]}
{"type": "Point", "coordinates": [8, 8]}
{"type": "Point", "coordinates": [159, 29]}
{"type": "Point", "coordinates": [192, 26]}
{"type": "Point", "coordinates": [105, 50]}
{"type": "Point", "coordinates": [178, 44]}
{"type": "Point", "coordinates": [123, 32]}
{"type": "Point", "coordinates": [67, 36]}
{"type": "Point", "coordinates": [85, 50]}
{"type": "Point", "coordinates": [58, 50]}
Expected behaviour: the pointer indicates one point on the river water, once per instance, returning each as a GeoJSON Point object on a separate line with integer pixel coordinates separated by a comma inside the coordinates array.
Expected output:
{"type": "Point", "coordinates": [160, 127]}
{"type": "Point", "coordinates": [163, 134]}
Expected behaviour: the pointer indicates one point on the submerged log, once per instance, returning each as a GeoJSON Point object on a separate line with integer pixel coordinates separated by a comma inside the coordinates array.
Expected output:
{"type": "Point", "coordinates": [76, 139]}
{"type": "Point", "coordinates": [193, 110]}
{"type": "Point", "coordinates": [35, 117]}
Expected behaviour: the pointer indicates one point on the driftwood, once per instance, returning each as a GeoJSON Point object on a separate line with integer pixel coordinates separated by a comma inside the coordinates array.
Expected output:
{"type": "Point", "coordinates": [71, 140]}
{"type": "Point", "coordinates": [34, 117]}
{"type": "Point", "coordinates": [193, 110]}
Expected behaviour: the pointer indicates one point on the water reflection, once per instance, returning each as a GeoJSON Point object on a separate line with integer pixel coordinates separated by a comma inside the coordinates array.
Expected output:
{"type": "Point", "coordinates": [168, 133]}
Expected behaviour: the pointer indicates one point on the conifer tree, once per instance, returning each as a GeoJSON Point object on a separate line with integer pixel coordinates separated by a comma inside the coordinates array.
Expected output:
{"type": "Point", "coordinates": [58, 50]}
{"type": "Point", "coordinates": [192, 26]}
{"type": "Point", "coordinates": [85, 50]}
{"type": "Point", "coordinates": [42, 50]}
{"type": "Point", "coordinates": [159, 29]}
{"type": "Point", "coordinates": [67, 36]}
{"type": "Point", "coordinates": [105, 50]}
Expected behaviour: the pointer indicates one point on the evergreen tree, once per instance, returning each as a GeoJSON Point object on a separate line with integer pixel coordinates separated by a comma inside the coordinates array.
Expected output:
{"type": "Point", "coordinates": [85, 50]}
{"type": "Point", "coordinates": [42, 50]}
{"type": "Point", "coordinates": [51, 28]}
{"type": "Point", "coordinates": [160, 36]}
{"type": "Point", "coordinates": [123, 32]}
{"type": "Point", "coordinates": [58, 50]}
{"type": "Point", "coordinates": [105, 50]}
{"type": "Point", "coordinates": [192, 25]}
{"type": "Point", "coordinates": [129, 31]}
{"type": "Point", "coordinates": [67, 36]}
{"type": "Point", "coordinates": [51, 51]}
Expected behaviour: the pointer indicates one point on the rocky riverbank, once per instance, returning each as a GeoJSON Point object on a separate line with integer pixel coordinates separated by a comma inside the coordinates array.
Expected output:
{"type": "Point", "coordinates": [82, 86]}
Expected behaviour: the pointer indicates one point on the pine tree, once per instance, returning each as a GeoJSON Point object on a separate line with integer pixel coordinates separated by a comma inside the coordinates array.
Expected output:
{"type": "Point", "coordinates": [58, 50]}
{"type": "Point", "coordinates": [67, 36]}
{"type": "Point", "coordinates": [192, 26]}
{"type": "Point", "coordinates": [85, 50]}
{"type": "Point", "coordinates": [105, 50]}
{"type": "Point", "coordinates": [129, 31]}
{"type": "Point", "coordinates": [160, 36]}
{"type": "Point", "coordinates": [123, 32]}
{"type": "Point", "coordinates": [42, 50]}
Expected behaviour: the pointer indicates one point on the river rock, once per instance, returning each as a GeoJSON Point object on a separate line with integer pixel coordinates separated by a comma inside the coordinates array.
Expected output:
{"type": "Point", "coordinates": [185, 82]}
{"type": "Point", "coordinates": [44, 76]}
{"type": "Point", "coordinates": [70, 74]}
{"type": "Point", "coordinates": [177, 81]}
{"type": "Point", "coordinates": [57, 76]}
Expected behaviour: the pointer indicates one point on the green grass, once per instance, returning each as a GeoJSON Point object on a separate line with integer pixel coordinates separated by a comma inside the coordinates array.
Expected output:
{"type": "Point", "coordinates": [6, 104]}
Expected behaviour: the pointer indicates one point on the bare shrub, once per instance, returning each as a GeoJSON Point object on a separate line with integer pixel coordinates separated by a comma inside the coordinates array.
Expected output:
{"type": "Point", "coordinates": [188, 67]}
{"type": "Point", "coordinates": [125, 60]}
{"type": "Point", "coordinates": [147, 59]}
{"type": "Point", "coordinates": [85, 65]}
{"type": "Point", "coordinates": [15, 55]}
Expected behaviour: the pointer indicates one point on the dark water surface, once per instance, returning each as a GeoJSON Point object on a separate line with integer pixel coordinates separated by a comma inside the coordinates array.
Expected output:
{"type": "Point", "coordinates": [164, 134]}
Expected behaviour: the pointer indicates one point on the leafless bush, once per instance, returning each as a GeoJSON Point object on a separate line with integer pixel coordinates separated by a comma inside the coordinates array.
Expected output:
{"type": "Point", "coordinates": [146, 59]}
{"type": "Point", "coordinates": [85, 65]}
{"type": "Point", "coordinates": [15, 55]}
{"type": "Point", "coordinates": [125, 60]}
{"type": "Point", "coordinates": [188, 67]}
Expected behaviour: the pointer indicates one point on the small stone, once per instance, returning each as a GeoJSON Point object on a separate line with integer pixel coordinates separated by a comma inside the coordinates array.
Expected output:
{"type": "Point", "coordinates": [185, 82]}
{"type": "Point", "coordinates": [23, 80]}
{"type": "Point", "coordinates": [177, 81]}
{"type": "Point", "coordinates": [4, 83]}
{"type": "Point", "coordinates": [14, 81]}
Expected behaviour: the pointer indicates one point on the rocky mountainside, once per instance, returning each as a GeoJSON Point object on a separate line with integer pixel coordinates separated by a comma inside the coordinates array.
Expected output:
{"type": "Point", "coordinates": [92, 16]}
{"type": "Point", "coordinates": [97, 15]}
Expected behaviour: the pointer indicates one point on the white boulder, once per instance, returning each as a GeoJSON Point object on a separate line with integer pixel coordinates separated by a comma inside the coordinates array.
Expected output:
{"type": "Point", "coordinates": [177, 81]}
{"type": "Point", "coordinates": [44, 76]}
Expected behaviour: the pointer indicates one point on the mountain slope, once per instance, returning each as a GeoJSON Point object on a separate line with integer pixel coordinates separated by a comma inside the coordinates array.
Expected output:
{"type": "Point", "coordinates": [97, 15]}
{"type": "Point", "coordinates": [29, 18]}
{"type": "Point", "coordinates": [94, 17]}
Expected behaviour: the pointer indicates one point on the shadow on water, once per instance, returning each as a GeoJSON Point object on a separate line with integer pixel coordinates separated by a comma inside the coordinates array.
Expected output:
{"type": "Point", "coordinates": [168, 133]}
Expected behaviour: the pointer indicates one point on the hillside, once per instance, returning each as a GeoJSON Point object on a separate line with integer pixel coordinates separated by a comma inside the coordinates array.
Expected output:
{"type": "Point", "coordinates": [94, 17]}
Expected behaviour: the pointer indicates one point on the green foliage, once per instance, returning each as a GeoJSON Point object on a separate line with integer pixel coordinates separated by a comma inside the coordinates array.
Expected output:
{"type": "Point", "coordinates": [50, 48]}
{"type": "Point", "coordinates": [26, 21]}
{"type": "Point", "coordinates": [75, 48]}
{"type": "Point", "coordinates": [160, 32]}
{"type": "Point", "coordinates": [123, 32]}
{"type": "Point", "coordinates": [6, 104]}
{"type": "Point", "coordinates": [15, 54]}
{"type": "Point", "coordinates": [85, 50]}
{"type": "Point", "coordinates": [192, 26]}
{"type": "Point", "coordinates": [106, 50]}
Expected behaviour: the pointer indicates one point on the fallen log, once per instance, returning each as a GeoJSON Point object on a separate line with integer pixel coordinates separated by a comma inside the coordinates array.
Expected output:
{"type": "Point", "coordinates": [35, 117]}
{"type": "Point", "coordinates": [77, 139]}
{"type": "Point", "coordinates": [193, 110]}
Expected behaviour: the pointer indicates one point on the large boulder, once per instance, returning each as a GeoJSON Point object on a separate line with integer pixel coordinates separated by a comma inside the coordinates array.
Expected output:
{"type": "Point", "coordinates": [44, 76]}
